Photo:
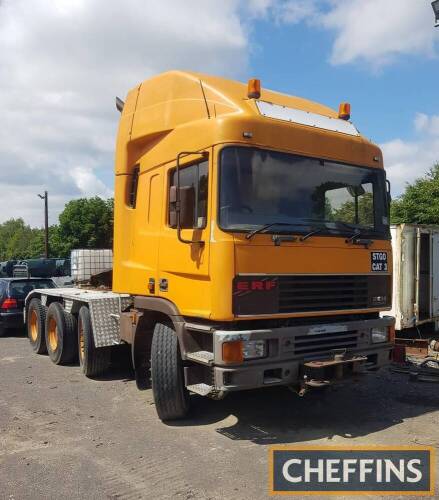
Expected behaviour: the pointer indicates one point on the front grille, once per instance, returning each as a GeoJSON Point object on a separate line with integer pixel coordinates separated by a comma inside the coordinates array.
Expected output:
{"type": "Point", "coordinates": [309, 293]}
{"type": "Point", "coordinates": [310, 345]}
{"type": "Point", "coordinates": [322, 293]}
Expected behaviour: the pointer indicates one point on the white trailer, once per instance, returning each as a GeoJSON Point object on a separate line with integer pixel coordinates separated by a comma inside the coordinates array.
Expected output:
{"type": "Point", "coordinates": [415, 275]}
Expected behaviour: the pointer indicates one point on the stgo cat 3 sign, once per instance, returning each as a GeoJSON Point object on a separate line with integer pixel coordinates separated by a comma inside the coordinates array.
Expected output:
{"type": "Point", "coordinates": [362, 470]}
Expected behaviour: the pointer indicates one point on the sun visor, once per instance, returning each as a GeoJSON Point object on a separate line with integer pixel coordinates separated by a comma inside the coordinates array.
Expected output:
{"type": "Point", "coordinates": [300, 117]}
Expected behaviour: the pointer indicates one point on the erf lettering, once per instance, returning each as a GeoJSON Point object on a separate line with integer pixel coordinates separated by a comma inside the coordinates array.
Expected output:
{"type": "Point", "coordinates": [343, 470]}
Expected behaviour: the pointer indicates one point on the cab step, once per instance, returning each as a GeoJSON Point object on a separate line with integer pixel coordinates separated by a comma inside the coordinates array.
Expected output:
{"type": "Point", "coordinates": [201, 389]}
{"type": "Point", "coordinates": [203, 357]}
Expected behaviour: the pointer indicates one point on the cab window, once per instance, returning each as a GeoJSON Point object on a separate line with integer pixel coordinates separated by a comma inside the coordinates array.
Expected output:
{"type": "Point", "coordinates": [196, 176]}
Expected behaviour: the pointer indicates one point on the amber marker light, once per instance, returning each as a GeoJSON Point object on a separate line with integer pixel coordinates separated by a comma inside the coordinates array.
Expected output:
{"type": "Point", "coordinates": [233, 352]}
{"type": "Point", "coordinates": [254, 88]}
{"type": "Point", "coordinates": [344, 111]}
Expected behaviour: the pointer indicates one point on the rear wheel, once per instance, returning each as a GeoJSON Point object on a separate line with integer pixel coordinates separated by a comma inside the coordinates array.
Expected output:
{"type": "Point", "coordinates": [93, 360]}
{"type": "Point", "coordinates": [170, 394]}
{"type": "Point", "coordinates": [2, 331]}
{"type": "Point", "coordinates": [60, 335]}
{"type": "Point", "coordinates": [36, 318]}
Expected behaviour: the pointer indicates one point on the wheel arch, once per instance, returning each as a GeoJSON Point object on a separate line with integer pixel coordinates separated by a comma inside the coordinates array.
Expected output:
{"type": "Point", "coordinates": [152, 310]}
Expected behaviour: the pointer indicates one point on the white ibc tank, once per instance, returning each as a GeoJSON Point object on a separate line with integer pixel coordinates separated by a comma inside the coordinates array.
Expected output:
{"type": "Point", "coordinates": [86, 263]}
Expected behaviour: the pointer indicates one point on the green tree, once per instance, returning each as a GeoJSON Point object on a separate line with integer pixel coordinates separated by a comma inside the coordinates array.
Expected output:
{"type": "Point", "coordinates": [419, 204]}
{"type": "Point", "coordinates": [15, 237]}
{"type": "Point", "coordinates": [346, 212]}
{"type": "Point", "coordinates": [84, 223]}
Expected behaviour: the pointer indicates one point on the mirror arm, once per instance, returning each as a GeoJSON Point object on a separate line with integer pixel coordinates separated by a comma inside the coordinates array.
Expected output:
{"type": "Point", "coordinates": [389, 196]}
{"type": "Point", "coordinates": [177, 169]}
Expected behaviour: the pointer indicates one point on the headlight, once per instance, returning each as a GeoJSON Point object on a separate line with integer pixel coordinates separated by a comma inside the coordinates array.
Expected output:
{"type": "Point", "coordinates": [379, 334]}
{"type": "Point", "coordinates": [238, 351]}
{"type": "Point", "coordinates": [253, 349]}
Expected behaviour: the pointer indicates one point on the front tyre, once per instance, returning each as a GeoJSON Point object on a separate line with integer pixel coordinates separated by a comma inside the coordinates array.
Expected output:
{"type": "Point", "coordinates": [170, 394]}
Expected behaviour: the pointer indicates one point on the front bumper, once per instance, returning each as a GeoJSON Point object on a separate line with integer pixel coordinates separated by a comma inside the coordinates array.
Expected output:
{"type": "Point", "coordinates": [291, 349]}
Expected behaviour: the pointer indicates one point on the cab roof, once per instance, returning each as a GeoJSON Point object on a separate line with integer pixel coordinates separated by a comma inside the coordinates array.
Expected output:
{"type": "Point", "coordinates": [181, 110]}
{"type": "Point", "coordinates": [176, 97]}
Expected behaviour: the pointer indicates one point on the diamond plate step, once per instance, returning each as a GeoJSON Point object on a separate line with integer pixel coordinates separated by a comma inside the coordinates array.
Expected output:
{"type": "Point", "coordinates": [201, 389]}
{"type": "Point", "coordinates": [203, 357]}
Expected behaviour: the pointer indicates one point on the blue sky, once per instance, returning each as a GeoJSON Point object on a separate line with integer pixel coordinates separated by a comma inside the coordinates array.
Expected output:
{"type": "Point", "coordinates": [63, 62]}
{"type": "Point", "coordinates": [296, 60]}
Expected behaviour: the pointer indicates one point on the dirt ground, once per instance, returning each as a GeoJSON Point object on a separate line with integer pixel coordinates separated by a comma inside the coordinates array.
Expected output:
{"type": "Point", "coordinates": [65, 436]}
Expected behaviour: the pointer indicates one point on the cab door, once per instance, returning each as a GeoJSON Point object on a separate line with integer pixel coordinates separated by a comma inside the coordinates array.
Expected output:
{"type": "Point", "coordinates": [184, 267]}
{"type": "Point", "coordinates": [141, 270]}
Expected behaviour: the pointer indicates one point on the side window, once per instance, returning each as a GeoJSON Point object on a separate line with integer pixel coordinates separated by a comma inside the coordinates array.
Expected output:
{"type": "Point", "coordinates": [195, 176]}
{"type": "Point", "coordinates": [132, 187]}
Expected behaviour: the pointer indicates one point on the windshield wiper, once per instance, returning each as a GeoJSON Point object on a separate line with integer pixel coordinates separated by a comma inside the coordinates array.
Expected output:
{"type": "Point", "coordinates": [356, 240]}
{"type": "Point", "coordinates": [335, 222]}
{"type": "Point", "coordinates": [315, 230]}
{"type": "Point", "coordinates": [352, 238]}
{"type": "Point", "coordinates": [265, 227]}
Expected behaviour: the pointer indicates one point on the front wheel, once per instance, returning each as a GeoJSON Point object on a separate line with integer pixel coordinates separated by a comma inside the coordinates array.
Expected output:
{"type": "Point", "coordinates": [170, 394]}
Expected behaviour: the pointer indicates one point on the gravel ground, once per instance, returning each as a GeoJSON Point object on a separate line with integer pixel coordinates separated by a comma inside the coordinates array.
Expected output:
{"type": "Point", "coordinates": [65, 436]}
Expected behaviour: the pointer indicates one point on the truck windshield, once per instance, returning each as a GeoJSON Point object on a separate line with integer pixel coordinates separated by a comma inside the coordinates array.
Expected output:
{"type": "Point", "coordinates": [259, 187]}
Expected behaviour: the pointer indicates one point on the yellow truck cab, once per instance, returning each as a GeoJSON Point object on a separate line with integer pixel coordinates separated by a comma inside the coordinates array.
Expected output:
{"type": "Point", "coordinates": [254, 227]}
{"type": "Point", "coordinates": [251, 243]}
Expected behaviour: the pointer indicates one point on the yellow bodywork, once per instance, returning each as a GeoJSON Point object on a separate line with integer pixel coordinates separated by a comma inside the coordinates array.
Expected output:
{"type": "Point", "coordinates": [182, 111]}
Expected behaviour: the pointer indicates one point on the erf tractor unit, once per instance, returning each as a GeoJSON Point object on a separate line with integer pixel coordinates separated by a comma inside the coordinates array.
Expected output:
{"type": "Point", "coordinates": [251, 247]}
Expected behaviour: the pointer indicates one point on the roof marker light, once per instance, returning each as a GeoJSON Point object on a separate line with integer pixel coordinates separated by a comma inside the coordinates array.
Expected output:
{"type": "Point", "coordinates": [254, 88]}
{"type": "Point", "coordinates": [344, 111]}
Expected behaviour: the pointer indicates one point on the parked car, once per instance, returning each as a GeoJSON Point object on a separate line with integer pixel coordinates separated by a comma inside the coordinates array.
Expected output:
{"type": "Point", "coordinates": [13, 291]}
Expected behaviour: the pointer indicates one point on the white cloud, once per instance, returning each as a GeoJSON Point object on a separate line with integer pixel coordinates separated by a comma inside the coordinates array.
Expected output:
{"type": "Point", "coordinates": [377, 31]}
{"type": "Point", "coordinates": [407, 160]}
{"type": "Point", "coordinates": [62, 62]}
{"type": "Point", "coordinates": [371, 31]}
{"type": "Point", "coordinates": [295, 11]}
{"type": "Point", "coordinates": [426, 124]}
{"type": "Point", "coordinates": [88, 183]}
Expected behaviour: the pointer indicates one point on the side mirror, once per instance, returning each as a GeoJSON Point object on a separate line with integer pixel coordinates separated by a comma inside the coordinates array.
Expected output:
{"type": "Point", "coordinates": [186, 207]}
{"type": "Point", "coordinates": [355, 191]}
{"type": "Point", "coordinates": [389, 196]}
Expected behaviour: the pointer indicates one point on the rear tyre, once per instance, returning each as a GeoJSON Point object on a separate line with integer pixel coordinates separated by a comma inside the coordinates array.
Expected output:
{"type": "Point", "coordinates": [94, 361]}
{"type": "Point", "coordinates": [36, 320]}
{"type": "Point", "coordinates": [2, 331]}
{"type": "Point", "coordinates": [170, 394]}
{"type": "Point", "coordinates": [61, 334]}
